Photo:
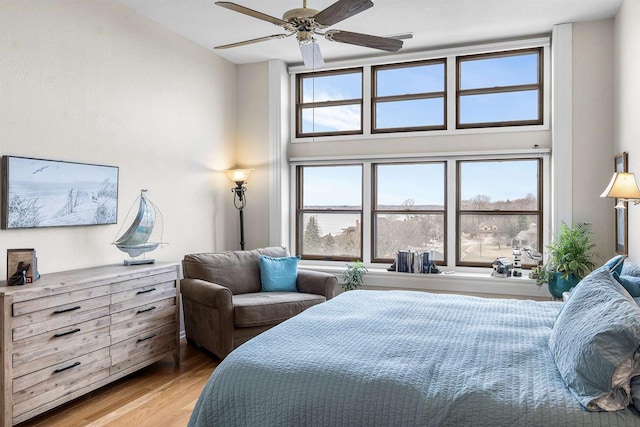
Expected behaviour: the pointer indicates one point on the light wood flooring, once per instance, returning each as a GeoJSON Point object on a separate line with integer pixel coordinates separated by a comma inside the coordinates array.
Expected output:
{"type": "Point", "coordinates": [160, 395]}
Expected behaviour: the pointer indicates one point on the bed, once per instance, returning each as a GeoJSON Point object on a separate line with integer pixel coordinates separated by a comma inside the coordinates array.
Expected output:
{"type": "Point", "coordinates": [402, 358]}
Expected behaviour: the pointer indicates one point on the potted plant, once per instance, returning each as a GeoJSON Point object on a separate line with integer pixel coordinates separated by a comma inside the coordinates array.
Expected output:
{"type": "Point", "coordinates": [570, 259]}
{"type": "Point", "coordinates": [353, 276]}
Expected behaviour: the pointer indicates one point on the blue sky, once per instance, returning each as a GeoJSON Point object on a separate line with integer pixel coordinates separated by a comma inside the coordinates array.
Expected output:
{"type": "Point", "coordinates": [426, 78]}
{"type": "Point", "coordinates": [424, 182]}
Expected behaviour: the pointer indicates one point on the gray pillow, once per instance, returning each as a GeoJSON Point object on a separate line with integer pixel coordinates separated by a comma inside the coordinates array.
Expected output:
{"type": "Point", "coordinates": [594, 341]}
{"type": "Point", "coordinates": [630, 269]}
{"type": "Point", "coordinates": [635, 392]}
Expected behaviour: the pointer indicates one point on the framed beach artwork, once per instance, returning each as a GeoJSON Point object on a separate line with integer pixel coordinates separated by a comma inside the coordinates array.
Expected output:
{"type": "Point", "coordinates": [50, 193]}
{"type": "Point", "coordinates": [622, 219]}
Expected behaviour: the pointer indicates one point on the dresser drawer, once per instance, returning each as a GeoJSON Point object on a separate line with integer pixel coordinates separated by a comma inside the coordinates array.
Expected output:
{"type": "Point", "coordinates": [142, 347]}
{"type": "Point", "coordinates": [39, 387]}
{"type": "Point", "coordinates": [44, 350]}
{"type": "Point", "coordinates": [40, 322]}
{"type": "Point", "coordinates": [144, 282]}
{"type": "Point", "coordinates": [61, 299]}
{"type": "Point", "coordinates": [129, 323]}
{"type": "Point", "coordinates": [140, 296]}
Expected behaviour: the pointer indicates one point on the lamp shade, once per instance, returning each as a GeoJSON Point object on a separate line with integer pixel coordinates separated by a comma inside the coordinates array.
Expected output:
{"type": "Point", "coordinates": [238, 175]}
{"type": "Point", "coordinates": [623, 185]}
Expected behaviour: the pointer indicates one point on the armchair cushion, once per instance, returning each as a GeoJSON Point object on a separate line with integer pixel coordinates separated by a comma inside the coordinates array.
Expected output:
{"type": "Point", "coordinates": [270, 308]}
{"type": "Point", "coordinates": [278, 274]}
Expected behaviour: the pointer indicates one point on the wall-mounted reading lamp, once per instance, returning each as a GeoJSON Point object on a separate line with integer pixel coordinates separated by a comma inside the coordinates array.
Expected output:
{"type": "Point", "coordinates": [624, 188]}
{"type": "Point", "coordinates": [239, 176]}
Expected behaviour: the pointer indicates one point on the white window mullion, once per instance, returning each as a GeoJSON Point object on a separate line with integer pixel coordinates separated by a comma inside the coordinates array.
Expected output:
{"type": "Point", "coordinates": [366, 100]}
{"type": "Point", "coordinates": [367, 200]}
{"type": "Point", "coordinates": [452, 231]}
{"type": "Point", "coordinates": [451, 93]}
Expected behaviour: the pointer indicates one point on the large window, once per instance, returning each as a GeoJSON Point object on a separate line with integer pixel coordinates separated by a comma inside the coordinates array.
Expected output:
{"type": "Point", "coordinates": [499, 208]}
{"type": "Point", "coordinates": [329, 103]}
{"type": "Point", "coordinates": [329, 212]}
{"type": "Point", "coordinates": [409, 209]}
{"type": "Point", "coordinates": [409, 97]}
{"type": "Point", "coordinates": [497, 89]}
{"type": "Point", "coordinates": [404, 206]}
{"type": "Point", "coordinates": [500, 89]}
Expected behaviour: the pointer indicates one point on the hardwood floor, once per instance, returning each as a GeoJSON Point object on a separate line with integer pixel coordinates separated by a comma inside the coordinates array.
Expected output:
{"type": "Point", "coordinates": [159, 395]}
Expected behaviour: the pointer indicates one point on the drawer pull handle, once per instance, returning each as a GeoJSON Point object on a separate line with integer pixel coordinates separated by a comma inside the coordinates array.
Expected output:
{"type": "Point", "coordinates": [146, 338]}
{"type": "Point", "coordinates": [57, 371]}
{"type": "Point", "coordinates": [153, 307]}
{"type": "Point", "coordinates": [61, 334]}
{"type": "Point", "coordinates": [145, 291]}
{"type": "Point", "coordinates": [66, 310]}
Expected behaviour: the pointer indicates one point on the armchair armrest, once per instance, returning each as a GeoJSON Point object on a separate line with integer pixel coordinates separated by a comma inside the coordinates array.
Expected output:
{"type": "Point", "coordinates": [207, 293]}
{"type": "Point", "coordinates": [317, 282]}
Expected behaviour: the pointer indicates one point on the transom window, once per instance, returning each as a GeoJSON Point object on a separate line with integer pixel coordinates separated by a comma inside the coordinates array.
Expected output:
{"type": "Point", "coordinates": [329, 103]}
{"type": "Point", "coordinates": [499, 208]}
{"type": "Point", "coordinates": [500, 89]}
{"type": "Point", "coordinates": [408, 97]}
{"type": "Point", "coordinates": [495, 89]}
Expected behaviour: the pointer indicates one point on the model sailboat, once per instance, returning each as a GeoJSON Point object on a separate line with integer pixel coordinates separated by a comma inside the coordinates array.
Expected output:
{"type": "Point", "coordinates": [139, 237]}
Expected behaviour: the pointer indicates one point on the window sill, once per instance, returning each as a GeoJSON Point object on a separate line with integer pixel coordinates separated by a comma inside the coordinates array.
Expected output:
{"type": "Point", "coordinates": [479, 283]}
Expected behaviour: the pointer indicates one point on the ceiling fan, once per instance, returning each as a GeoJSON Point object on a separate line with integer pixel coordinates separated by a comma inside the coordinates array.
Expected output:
{"type": "Point", "coordinates": [306, 22]}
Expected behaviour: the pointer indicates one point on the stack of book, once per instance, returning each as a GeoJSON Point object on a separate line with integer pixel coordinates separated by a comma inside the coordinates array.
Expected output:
{"type": "Point", "coordinates": [410, 261]}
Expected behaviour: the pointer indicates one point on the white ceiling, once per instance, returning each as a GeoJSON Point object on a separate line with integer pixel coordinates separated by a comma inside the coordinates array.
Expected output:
{"type": "Point", "coordinates": [435, 23]}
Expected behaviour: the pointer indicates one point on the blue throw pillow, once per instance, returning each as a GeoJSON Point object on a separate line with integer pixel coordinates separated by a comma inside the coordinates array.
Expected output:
{"type": "Point", "coordinates": [594, 341]}
{"type": "Point", "coordinates": [630, 269]}
{"type": "Point", "coordinates": [615, 263]}
{"type": "Point", "coordinates": [278, 274]}
{"type": "Point", "coordinates": [630, 283]}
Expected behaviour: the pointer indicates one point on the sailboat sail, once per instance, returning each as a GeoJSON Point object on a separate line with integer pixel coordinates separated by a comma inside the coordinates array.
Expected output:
{"type": "Point", "coordinates": [135, 241]}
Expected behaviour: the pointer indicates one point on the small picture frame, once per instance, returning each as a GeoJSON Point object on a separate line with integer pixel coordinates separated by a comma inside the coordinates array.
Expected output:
{"type": "Point", "coordinates": [620, 163]}
{"type": "Point", "coordinates": [22, 266]}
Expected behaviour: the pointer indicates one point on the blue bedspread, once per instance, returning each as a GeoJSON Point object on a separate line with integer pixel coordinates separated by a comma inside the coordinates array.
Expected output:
{"type": "Point", "coordinates": [400, 358]}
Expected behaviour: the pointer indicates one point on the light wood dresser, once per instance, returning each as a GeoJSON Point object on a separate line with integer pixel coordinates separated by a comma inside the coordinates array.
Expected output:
{"type": "Point", "coordinates": [72, 332]}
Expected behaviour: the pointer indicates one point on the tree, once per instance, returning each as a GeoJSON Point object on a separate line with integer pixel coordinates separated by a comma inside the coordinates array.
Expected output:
{"type": "Point", "coordinates": [312, 242]}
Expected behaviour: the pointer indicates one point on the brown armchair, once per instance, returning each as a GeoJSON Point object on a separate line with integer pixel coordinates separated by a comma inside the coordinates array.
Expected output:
{"type": "Point", "coordinates": [223, 303]}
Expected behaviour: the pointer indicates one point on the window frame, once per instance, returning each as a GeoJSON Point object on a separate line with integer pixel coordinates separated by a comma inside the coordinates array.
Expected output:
{"type": "Point", "coordinates": [539, 212]}
{"type": "Point", "coordinates": [300, 211]}
{"type": "Point", "coordinates": [539, 86]}
{"type": "Point", "coordinates": [375, 211]}
{"type": "Point", "coordinates": [375, 100]}
{"type": "Point", "coordinates": [300, 105]}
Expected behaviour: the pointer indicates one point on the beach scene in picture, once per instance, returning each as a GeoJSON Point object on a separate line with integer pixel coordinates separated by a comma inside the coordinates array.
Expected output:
{"type": "Point", "coordinates": [47, 193]}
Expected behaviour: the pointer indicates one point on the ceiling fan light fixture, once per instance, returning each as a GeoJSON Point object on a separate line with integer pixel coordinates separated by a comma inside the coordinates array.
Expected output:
{"type": "Point", "coordinates": [305, 37]}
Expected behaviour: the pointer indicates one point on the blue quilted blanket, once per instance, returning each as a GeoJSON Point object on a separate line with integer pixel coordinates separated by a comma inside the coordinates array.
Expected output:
{"type": "Point", "coordinates": [400, 358]}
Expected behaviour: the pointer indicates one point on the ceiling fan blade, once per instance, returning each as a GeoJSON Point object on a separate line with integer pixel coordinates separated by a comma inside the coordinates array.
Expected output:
{"type": "Point", "coordinates": [340, 10]}
{"type": "Point", "coordinates": [259, 39]}
{"type": "Point", "coordinates": [366, 40]}
{"type": "Point", "coordinates": [311, 55]}
{"type": "Point", "coordinates": [252, 13]}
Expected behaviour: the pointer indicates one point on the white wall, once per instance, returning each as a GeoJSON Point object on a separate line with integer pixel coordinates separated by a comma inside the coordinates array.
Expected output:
{"type": "Point", "coordinates": [91, 81]}
{"type": "Point", "coordinates": [253, 149]}
{"type": "Point", "coordinates": [592, 110]}
{"type": "Point", "coordinates": [627, 103]}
